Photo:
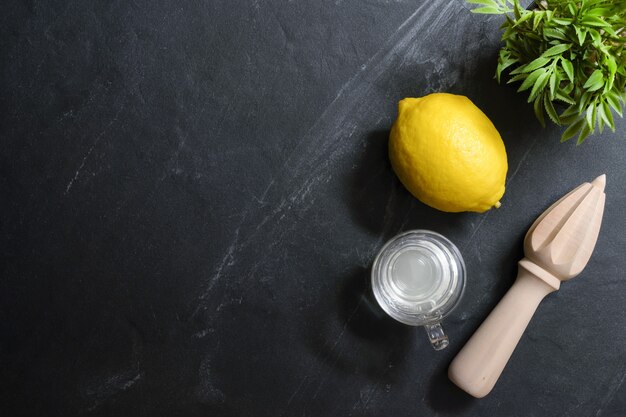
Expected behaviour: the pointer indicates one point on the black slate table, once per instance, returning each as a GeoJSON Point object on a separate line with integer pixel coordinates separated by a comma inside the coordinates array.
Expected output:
{"type": "Point", "coordinates": [193, 193]}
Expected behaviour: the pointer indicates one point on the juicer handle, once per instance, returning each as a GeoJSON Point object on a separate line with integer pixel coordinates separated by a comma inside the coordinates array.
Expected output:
{"type": "Point", "coordinates": [479, 364]}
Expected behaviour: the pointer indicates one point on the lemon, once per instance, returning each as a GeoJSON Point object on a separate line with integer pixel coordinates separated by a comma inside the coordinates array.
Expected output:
{"type": "Point", "coordinates": [448, 154]}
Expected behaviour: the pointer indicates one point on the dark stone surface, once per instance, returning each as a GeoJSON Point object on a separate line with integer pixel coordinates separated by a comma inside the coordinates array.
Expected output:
{"type": "Point", "coordinates": [193, 193]}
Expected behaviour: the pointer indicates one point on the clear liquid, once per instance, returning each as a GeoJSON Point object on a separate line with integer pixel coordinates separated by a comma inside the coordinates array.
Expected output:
{"type": "Point", "coordinates": [417, 279]}
{"type": "Point", "coordinates": [415, 273]}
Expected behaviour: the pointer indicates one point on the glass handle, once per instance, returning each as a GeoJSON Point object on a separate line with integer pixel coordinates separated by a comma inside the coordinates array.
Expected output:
{"type": "Point", "coordinates": [438, 338]}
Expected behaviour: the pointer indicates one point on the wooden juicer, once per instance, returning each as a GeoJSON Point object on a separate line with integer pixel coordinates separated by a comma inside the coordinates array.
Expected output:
{"type": "Point", "coordinates": [557, 248]}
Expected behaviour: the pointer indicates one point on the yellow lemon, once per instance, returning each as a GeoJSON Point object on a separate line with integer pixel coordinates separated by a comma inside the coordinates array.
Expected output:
{"type": "Point", "coordinates": [448, 154]}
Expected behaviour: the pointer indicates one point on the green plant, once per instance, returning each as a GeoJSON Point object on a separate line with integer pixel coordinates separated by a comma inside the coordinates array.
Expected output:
{"type": "Point", "coordinates": [567, 52]}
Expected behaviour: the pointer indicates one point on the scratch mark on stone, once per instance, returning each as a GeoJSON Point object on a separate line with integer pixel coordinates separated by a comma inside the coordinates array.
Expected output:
{"type": "Point", "coordinates": [202, 333]}
{"type": "Point", "coordinates": [297, 390]}
{"type": "Point", "coordinates": [612, 390]}
{"type": "Point", "coordinates": [207, 391]}
{"type": "Point", "coordinates": [110, 387]}
{"type": "Point", "coordinates": [172, 163]}
{"type": "Point", "coordinates": [389, 211]}
{"type": "Point", "coordinates": [407, 215]}
{"type": "Point", "coordinates": [82, 164]}
{"type": "Point", "coordinates": [365, 396]}
{"type": "Point", "coordinates": [267, 189]}
{"type": "Point", "coordinates": [471, 238]}
{"type": "Point", "coordinates": [227, 260]}
{"type": "Point", "coordinates": [519, 164]}
{"type": "Point", "coordinates": [95, 143]}
{"type": "Point", "coordinates": [370, 396]}
{"type": "Point", "coordinates": [345, 325]}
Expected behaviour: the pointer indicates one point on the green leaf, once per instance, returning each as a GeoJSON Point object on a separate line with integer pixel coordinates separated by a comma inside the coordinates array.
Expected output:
{"type": "Point", "coordinates": [530, 80]}
{"type": "Point", "coordinates": [487, 10]}
{"type": "Point", "coordinates": [508, 33]}
{"type": "Point", "coordinates": [540, 84]}
{"type": "Point", "coordinates": [551, 33]}
{"type": "Point", "coordinates": [571, 131]}
{"type": "Point", "coordinates": [564, 98]}
{"type": "Point", "coordinates": [550, 110]}
{"type": "Point", "coordinates": [611, 64]}
{"type": "Point", "coordinates": [562, 21]}
{"type": "Point", "coordinates": [600, 123]}
{"type": "Point", "coordinates": [610, 31]}
{"type": "Point", "coordinates": [484, 2]}
{"type": "Point", "coordinates": [598, 12]}
{"type": "Point", "coordinates": [570, 111]}
{"type": "Point", "coordinates": [538, 16]}
{"type": "Point", "coordinates": [569, 69]}
{"type": "Point", "coordinates": [517, 9]}
{"type": "Point", "coordinates": [523, 19]}
{"type": "Point", "coordinates": [593, 21]}
{"type": "Point", "coordinates": [504, 61]}
{"type": "Point", "coordinates": [549, 14]}
{"type": "Point", "coordinates": [607, 115]}
{"type": "Point", "coordinates": [595, 35]}
{"type": "Point", "coordinates": [601, 117]}
{"type": "Point", "coordinates": [584, 132]}
{"type": "Point", "coordinates": [537, 106]}
{"type": "Point", "coordinates": [553, 80]}
{"type": "Point", "coordinates": [581, 34]}
{"type": "Point", "coordinates": [567, 120]}
{"type": "Point", "coordinates": [615, 102]}
{"type": "Point", "coordinates": [567, 88]}
{"type": "Point", "coordinates": [507, 22]}
{"type": "Point", "coordinates": [533, 65]}
{"type": "Point", "coordinates": [590, 116]}
{"type": "Point", "coordinates": [572, 8]}
{"type": "Point", "coordinates": [518, 77]}
{"type": "Point", "coordinates": [556, 50]}
{"type": "Point", "coordinates": [595, 81]}
{"type": "Point", "coordinates": [583, 101]}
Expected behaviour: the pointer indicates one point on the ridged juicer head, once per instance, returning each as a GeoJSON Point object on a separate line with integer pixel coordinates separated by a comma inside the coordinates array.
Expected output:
{"type": "Point", "coordinates": [562, 239]}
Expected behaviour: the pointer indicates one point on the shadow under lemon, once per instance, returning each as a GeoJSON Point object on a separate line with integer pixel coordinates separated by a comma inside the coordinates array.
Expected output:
{"type": "Point", "coordinates": [382, 205]}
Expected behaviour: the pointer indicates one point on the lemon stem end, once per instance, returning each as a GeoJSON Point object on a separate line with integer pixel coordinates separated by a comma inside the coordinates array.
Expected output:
{"type": "Point", "coordinates": [497, 205]}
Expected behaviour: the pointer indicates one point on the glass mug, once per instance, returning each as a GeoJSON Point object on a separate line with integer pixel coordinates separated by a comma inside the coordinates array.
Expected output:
{"type": "Point", "coordinates": [418, 278]}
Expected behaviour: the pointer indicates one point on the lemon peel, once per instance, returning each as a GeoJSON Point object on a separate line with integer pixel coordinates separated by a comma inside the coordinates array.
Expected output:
{"type": "Point", "coordinates": [448, 153]}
